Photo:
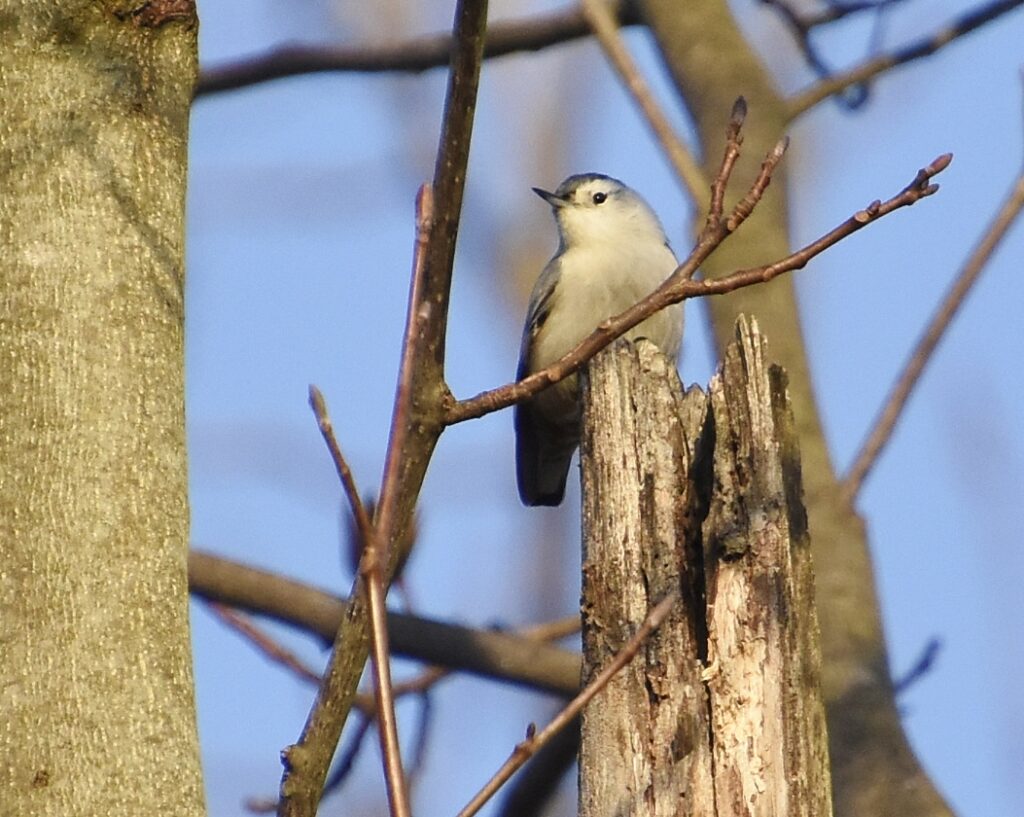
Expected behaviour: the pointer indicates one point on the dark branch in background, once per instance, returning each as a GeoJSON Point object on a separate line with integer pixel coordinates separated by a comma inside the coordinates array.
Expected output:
{"type": "Point", "coordinates": [347, 758]}
{"type": "Point", "coordinates": [679, 287]}
{"type": "Point", "coordinates": [411, 56]}
{"type": "Point", "coordinates": [921, 667]}
{"type": "Point", "coordinates": [419, 686]}
{"type": "Point", "coordinates": [834, 10]}
{"type": "Point", "coordinates": [926, 46]}
{"type": "Point", "coordinates": [486, 653]}
{"type": "Point", "coordinates": [891, 412]}
{"type": "Point", "coordinates": [801, 26]}
{"type": "Point", "coordinates": [432, 51]}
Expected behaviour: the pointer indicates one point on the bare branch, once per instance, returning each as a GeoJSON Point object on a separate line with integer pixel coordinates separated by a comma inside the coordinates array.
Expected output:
{"type": "Point", "coordinates": [601, 18]}
{"type": "Point", "coordinates": [535, 740]}
{"type": "Point", "coordinates": [411, 56]}
{"type": "Point", "coordinates": [370, 569]}
{"type": "Point", "coordinates": [964, 24]}
{"type": "Point", "coordinates": [896, 402]}
{"type": "Point", "coordinates": [679, 287]}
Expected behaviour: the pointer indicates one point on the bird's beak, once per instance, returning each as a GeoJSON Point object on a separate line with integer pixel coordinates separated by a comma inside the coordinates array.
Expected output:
{"type": "Point", "coordinates": [551, 198]}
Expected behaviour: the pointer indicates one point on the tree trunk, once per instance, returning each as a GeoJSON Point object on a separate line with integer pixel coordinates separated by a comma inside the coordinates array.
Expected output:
{"type": "Point", "coordinates": [722, 712]}
{"type": "Point", "coordinates": [97, 714]}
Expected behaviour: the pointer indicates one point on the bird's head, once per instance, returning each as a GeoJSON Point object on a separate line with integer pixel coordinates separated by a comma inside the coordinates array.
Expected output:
{"type": "Point", "coordinates": [592, 208]}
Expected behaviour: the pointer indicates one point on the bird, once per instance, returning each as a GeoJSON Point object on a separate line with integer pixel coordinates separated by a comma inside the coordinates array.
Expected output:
{"type": "Point", "coordinates": [612, 252]}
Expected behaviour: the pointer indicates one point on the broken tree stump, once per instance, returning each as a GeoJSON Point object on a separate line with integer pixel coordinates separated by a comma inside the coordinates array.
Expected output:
{"type": "Point", "coordinates": [721, 712]}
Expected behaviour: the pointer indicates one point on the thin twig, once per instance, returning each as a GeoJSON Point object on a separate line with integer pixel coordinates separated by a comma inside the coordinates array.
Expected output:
{"type": "Point", "coordinates": [535, 740]}
{"type": "Point", "coordinates": [733, 143]}
{"type": "Point", "coordinates": [679, 287]}
{"type": "Point", "coordinates": [410, 56]}
{"type": "Point", "coordinates": [398, 794]}
{"type": "Point", "coordinates": [262, 641]}
{"type": "Point", "coordinates": [895, 403]}
{"type": "Point", "coordinates": [323, 421]}
{"type": "Point", "coordinates": [745, 206]}
{"type": "Point", "coordinates": [531, 790]}
{"type": "Point", "coordinates": [601, 18]}
{"type": "Point", "coordinates": [964, 24]}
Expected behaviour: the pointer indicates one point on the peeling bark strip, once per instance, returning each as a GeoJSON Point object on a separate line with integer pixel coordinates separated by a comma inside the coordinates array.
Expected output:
{"type": "Point", "coordinates": [704, 493]}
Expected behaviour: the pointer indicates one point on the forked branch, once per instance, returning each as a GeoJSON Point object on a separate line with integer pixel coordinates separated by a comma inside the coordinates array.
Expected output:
{"type": "Point", "coordinates": [416, 426]}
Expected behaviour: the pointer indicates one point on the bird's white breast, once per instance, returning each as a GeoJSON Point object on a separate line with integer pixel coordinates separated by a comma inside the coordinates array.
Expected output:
{"type": "Point", "coordinates": [598, 281]}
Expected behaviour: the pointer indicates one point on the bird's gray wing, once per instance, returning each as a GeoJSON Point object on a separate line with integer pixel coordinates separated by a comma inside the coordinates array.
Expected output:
{"type": "Point", "coordinates": [542, 458]}
{"type": "Point", "coordinates": [542, 300]}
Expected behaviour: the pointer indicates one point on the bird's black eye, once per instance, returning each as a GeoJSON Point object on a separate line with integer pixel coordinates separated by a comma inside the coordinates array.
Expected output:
{"type": "Point", "coordinates": [599, 198]}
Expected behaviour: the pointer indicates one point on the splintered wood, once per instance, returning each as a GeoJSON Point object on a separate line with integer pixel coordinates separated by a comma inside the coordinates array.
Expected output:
{"type": "Point", "coordinates": [721, 712]}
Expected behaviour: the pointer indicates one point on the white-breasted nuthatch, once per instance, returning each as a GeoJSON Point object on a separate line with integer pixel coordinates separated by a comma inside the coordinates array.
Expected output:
{"type": "Point", "coordinates": [612, 252]}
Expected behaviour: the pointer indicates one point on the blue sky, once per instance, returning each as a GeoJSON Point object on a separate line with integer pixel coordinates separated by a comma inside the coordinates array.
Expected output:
{"type": "Point", "coordinates": [300, 236]}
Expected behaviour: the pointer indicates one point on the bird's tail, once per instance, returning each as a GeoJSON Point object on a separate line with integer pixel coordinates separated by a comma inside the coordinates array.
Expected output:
{"type": "Point", "coordinates": [543, 454]}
